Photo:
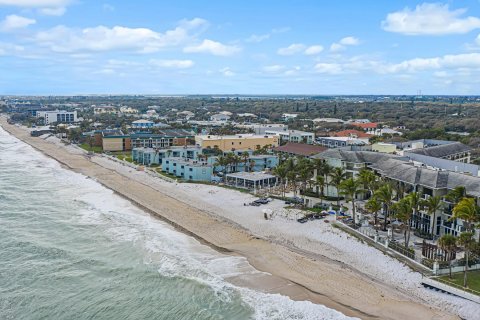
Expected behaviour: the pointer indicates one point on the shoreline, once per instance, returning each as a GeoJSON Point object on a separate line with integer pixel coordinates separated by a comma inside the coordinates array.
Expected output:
{"type": "Point", "coordinates": [300, 276]}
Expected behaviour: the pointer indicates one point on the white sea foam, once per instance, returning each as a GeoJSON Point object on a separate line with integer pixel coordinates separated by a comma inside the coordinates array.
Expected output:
{"type": "Point", "coordinates": [171, 252]}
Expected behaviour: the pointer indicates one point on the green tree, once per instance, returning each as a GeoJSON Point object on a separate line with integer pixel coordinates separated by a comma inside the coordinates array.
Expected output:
{"type": "Point", "coordinates": [403, 211]}
{"type": "Point", "coordinates": [468, 211]}
{"type": "Point", "coordinates": [222, 162]}
{"type": "Point", "coordinates": [368, 179]}
{"type": "Point", "coordinates": [456, 194]}
{"type": "Point", "coordinates": [447, 243]}
{"type": "Point", "coordinates": [281, 172]}
{"type": "Point", "coordinates": [385, 195]}
{"type": "Point", "coordinates": [320, 183]}
{"type": "Point", "coordinates": [245, 156]}
{"type": "Point", "coordinates": [350, 188]}
{"type": "Point", "coordinates": [337, 176]}
{"type": "Point", "coordinates": [466, 241]}
{"type": "Point", "coordinates": [373, 206]}
{"type": "Point", "coordinates": [432, 205]}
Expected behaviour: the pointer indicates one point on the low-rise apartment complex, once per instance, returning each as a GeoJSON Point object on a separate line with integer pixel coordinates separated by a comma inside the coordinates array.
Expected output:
{"type": "Point", "coordinates": [235, 142]}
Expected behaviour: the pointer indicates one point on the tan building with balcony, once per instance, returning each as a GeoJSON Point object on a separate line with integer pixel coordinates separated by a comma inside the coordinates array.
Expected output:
{"type": "Point", "coordinates": [237, 142]}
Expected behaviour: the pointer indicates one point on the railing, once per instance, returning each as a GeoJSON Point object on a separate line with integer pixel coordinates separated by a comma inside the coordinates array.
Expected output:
{"type": "Point", "coordinates": [401, 249]}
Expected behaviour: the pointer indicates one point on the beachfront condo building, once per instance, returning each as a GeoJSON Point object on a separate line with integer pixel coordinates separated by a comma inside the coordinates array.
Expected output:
{"type": "Point", "coordinates": [57, 116]}
{"type": "Point", "coordinates": [287, 135]}
{"type": "Point", "coordinates": [410, 176]}
{"type": "Point", "coordinates": [235, 142]}
{"type": "Point", "coordinates": [163, 139]}
{"type": "Point", "coordinates": [151, 156]}
{"type": "Point", "coordinates": [188, 169]}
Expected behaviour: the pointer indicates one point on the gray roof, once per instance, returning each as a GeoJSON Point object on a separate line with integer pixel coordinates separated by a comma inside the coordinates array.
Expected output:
{"type": "Point", "coordinates": [442, 150]}
{"type": "Point", "coordinates": [399, 168]}
{"type": "Point", "coordinates": [430, 178]}
{"type": "Point", "coordinates": [354, 156]}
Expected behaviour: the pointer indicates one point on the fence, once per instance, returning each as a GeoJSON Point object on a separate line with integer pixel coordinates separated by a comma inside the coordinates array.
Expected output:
{"type": "Point", "coordinates": [401, 249]}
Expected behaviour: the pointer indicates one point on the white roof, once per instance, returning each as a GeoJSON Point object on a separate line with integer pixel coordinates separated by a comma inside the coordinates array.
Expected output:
{"type": "Point", "coordinates": [237, 136]}
{"type": "Point", "coordinates": [254, 176]}
{"type": "Point", "coordinates": [142, 121]}
{"type": "Point", "coordinates": [328, 120]}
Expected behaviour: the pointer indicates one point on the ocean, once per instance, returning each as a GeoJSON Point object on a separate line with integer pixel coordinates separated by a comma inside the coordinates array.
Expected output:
{"type": "Point", "coordinates": [72, 249]}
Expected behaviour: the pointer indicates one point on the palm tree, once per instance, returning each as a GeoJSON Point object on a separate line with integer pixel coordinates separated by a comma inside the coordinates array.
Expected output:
{"type": "Point", "coordinates": [456, 194]}
{"type": "Point", "coordinates": [350, 188]}
{"type": "Point", "coordinates": [223, 163]}
{"type": "Point", "coordinates": [281, 172]}
{"type": "Point", "coordinates": [466, 241]}
{"type": "Point", "coordinates": [373, 206]}
{"type": "Point", "coordinates": [415, 201]}
{"type": "Point", "coordinates": [447, 243]}
{"type": "Point", "coordinates": [337, 176]}
{"type": "Point", "coordinates": [235, 161]}
{"type": "Point", "coordinates": [468, 211]}
{"type": "Point", "coordinates": [304, 176]}
{"type": "Point", "coordinates": [292, 180]}
{"type": "Point", "coordinates": [367, 179]}
{"type": "Point", "coordinates": [326, 171]}
{"type": "Point", "coordinates": [399, 190]}
{"type": "Point", "coordinates": [385, 195]}
{"type": "Point", "coordinates": [403, 211]}
{"type": "Point", "coordinates": [320, 183]}
{"type": "Point", "coordinates": [245, 156]}
{"type": "Point", "coordinates": [433, 204]}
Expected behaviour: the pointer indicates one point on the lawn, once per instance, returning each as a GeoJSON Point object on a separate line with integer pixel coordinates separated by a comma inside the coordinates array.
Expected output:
{"type": "Point", "coordinates": [473, 280]}
{"type": "Point", "coordinates": [93, 148]}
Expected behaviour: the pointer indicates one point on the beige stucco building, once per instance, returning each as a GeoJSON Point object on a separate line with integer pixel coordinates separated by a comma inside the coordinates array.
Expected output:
{"type": "Point", "coordinates": [236, 142]}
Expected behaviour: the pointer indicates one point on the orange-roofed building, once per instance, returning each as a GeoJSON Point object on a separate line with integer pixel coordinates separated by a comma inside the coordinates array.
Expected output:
{"type": "Point", "coordinates": [352, 134]}
{"type": "Point", "coordinates": [369, 127]}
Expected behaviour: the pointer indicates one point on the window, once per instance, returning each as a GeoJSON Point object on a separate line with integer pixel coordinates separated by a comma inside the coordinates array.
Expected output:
{"type": "Point", "coordinates": [190, 169]}
{"type": "Point", "coordinates": [190, 177]}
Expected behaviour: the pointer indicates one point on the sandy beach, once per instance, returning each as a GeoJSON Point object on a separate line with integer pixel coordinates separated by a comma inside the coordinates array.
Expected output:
{"type": "Point", "coordinates": [312, 262]}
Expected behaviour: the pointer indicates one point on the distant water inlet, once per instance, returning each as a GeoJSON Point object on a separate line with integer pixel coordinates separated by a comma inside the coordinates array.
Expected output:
{"type": "Point", "coordinates": [71, 249]}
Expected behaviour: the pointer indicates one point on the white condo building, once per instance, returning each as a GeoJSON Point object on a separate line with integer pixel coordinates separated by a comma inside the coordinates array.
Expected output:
{"type": "Point", "coordinates": [58, 116]}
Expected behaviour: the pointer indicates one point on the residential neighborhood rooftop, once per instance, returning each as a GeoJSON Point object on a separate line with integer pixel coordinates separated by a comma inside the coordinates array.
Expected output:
{"type": "Point", "coordinates": [300, 149]}
{"type": "Point", "coordinates": [442, 150]}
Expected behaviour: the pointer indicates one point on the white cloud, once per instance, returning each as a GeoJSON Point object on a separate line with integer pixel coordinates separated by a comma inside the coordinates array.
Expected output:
{"type": "Point", "coordinates": [262, 37]}
{"type": "Point", "coordinates": [312, 50]}
{"type": "Point", "coordinates": [329, 68]}
{"type": "Point", "coordinates": [13, 22]}
{"type": "Point", "coordinates": [212, 47]}
{"type": "Point", "coordinates": [291, 49]}
{"type": "Point", "coordinates": [273, 68]}
{"type": "Point", "coordinates": [293, 71]}
{"type": "Point", "coordinates": [335, 47]}
{"type": "Point", "coordinates": [350, 41]}
{"type": "Point", "coordinates": [10, 49]}
{"type": "Point", "coordinates": [467, 60]}
{"type": "Point", "coordinates": [66, 40]}
{"type": "Point", "coordinates": [439, 66]}
{"type": "Point", "coordinates": [47, 7]}
{"type": "Point", "coordinates": [477, 40]}
{"type": "Point", "coordinates": [174, 64]}
{"type": "Point", "coordinates": [227, 72]}
{"type": "Point", "coordinates": [430, 19]}
{"type": "Point", "coordinates": [258, 38]}
{"type": "Point", "coordinates": [108, 7]}
{"type": "Point", "coordinates": [60, 11]}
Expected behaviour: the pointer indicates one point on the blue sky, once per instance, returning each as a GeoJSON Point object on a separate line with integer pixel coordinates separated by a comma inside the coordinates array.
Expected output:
{"type": "Point", "coordinates": [239, 47]}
